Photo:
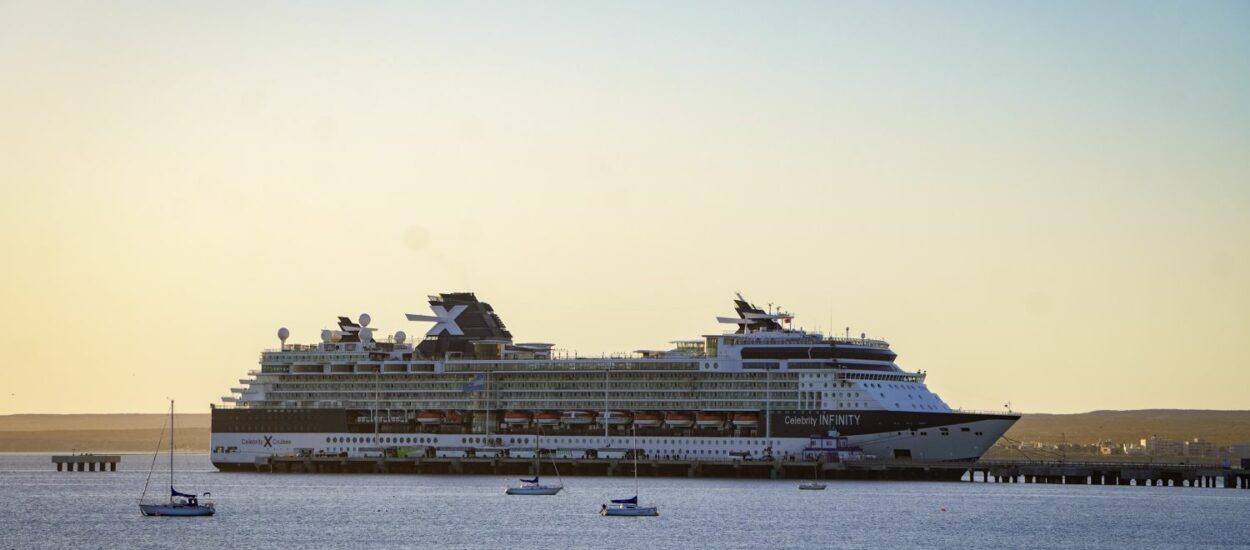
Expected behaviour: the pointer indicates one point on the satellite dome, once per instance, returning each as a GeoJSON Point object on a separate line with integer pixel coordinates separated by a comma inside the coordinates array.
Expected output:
{"type": "Point", "coordinates": [400, 337]}
{"type": "Point", "coordinates": [364, 319]}
{"type": "Point", "coordinates": [326, 336]}
{"type": "Point", "coordinates": [283, 333]}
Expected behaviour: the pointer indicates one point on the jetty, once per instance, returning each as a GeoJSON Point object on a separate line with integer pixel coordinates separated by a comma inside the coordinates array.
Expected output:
{"type": "Point", "coordinates": [1139, 474]}
{"type": "Point", "coordinates": [86, 462]}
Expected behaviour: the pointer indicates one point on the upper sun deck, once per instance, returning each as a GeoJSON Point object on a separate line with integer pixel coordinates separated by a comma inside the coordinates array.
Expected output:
{"type": "Point", "coordinates": [466, 329]}
{"type": "Point", "coordinates": [795, 338]}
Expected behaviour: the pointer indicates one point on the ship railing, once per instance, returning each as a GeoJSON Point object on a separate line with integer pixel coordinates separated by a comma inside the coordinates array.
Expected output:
{"type": "Point", "coordinates": [871, 342]}
{"type": "Point", "coordinates": [981, 411]}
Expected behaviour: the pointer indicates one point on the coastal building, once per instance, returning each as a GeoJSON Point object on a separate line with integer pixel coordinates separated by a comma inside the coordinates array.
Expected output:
{"type": "Point", "coordinates": [1159, 446]}
{"type": "Point", "coordinates": [1200, 448]}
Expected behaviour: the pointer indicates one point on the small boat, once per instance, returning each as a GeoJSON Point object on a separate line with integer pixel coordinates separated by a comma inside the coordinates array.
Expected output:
{"type": "Point", "coordinates": [746, 420]}
{"type": "Point", "coordinates": [180, 504]}
{"type": "Point", "coordinates": [710, 420]}
{"type": "Point", "coordinates": [517, 418]}
{"type": "Point", "coordinates": [679, 420]}
{"type": "Point", "coordinates": [629, 506]}
{"type": "Point", "coordinates": [648, 419]}
{"type": "Point", "coordinates": [534, 486]}
{"type": "Point", "coordinates": [430, 417]}
{"type": "Point", "coordinates": [577, 418]}
{"type": "Point", "coordinates": [814, 484]}
{"type": "Point", "coordinates": [547, 419]}
{"type": "Point", "coordinates": [616, 418]}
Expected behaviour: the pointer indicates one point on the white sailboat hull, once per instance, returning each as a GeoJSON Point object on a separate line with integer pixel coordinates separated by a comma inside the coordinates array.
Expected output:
{"type": "Point", "coordinates": [632, 510]}
{"type": "Point", "coordinates": [178, 510]}
{"type": "Point", "coordinates": [534, 490]}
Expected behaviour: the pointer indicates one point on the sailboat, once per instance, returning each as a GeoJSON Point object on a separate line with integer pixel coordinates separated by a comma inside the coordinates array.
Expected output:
{"type": "Point", "coordinates": [534, 486]}
{"type": "Point", "coordinates": [814, 484]}
{"type": "Point", "coordinates": [629, 506]}
{"type": "Point", "coordinates": [180, 504]}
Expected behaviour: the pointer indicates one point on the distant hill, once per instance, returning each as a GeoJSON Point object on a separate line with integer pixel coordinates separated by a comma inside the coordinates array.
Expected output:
{"type": "Point", "coordinates": [101, 441]}
{"type": "Point", "coordinates": [51, 422]}
{"type": "Point", "coordinates": [125, 433]}
{"type": "Point", "coordinates": [1220, 427]}
{"type": "Point", "coordinates": [139, 432]}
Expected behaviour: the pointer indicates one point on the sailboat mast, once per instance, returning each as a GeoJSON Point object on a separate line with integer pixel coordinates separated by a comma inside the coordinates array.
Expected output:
{"type": "Point", "coordinates": [606, 419]}
{"type": "Point", "coordinates": [635, 429]}
{"type": "Point", "coordinates": [171, 450]}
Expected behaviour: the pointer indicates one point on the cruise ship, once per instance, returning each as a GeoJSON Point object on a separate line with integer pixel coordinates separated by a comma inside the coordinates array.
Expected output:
{"type": "Point", "coordinates": [758, 390]}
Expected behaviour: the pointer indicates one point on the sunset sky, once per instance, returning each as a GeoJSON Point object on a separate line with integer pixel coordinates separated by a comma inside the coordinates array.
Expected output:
{"type": "Point", "coordinates": [1045, 204]}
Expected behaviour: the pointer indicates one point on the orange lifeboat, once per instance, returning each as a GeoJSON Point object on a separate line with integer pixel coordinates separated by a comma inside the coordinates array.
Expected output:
{"type": "Point", "coordinates": [679, 420]}
{"type": "Point", "coordinates": [710, 420]}
{"type": "Point", "coordinates": [547, 418]}
{"type": "Point", "coordinates": [517, 417]}
{"type": "Point", "coordinates": [746, 420]}
{"type": "Point", "coordinates": [617, 418]}
{"type": "Point", "coordinates": [455, 417]}
{"type": "Point", "coordinates": [430, 417]}
{"type": "Point", "coordinates": [648, 419]}
{"type": "Point", "coordinates": [577, 418]}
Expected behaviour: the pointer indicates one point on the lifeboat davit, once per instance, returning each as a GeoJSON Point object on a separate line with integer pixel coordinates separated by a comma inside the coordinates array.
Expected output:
{"type": "Point", "coordinates": [617, 418]}
{"type": "Point", "coordinates": [577, 418]}
{"type": "Point", "coordinates": [679, 420]}
{"type": "Point", "coordinates": [746, 420]}
{"type": "Point", "coordinates": [648, 419]}
{"type": "Point", "coordinates": [430, 417]}
{"type": "Point", "coordinates": [710, 420]}
{"type": "Point", "coordinates": [517, 417]}
{"type": "Point", "coordinates": [547, 419]}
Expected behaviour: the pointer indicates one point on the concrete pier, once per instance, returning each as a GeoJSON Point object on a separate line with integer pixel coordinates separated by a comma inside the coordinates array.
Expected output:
{"type": "Point", "coordinates": [86, 463]}
{"type": "Point", "coordinates": [1115, 473]}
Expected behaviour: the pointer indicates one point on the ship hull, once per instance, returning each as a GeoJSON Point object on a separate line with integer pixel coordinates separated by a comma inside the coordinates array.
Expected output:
{"type": "Point", "coordinates": [886, 436]}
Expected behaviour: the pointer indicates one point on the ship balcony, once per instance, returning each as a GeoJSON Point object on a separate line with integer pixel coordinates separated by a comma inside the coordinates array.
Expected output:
{"type": "Point", "coordinates": [238, 390]}
{"type": "Point", "coordinates": [230, 399]}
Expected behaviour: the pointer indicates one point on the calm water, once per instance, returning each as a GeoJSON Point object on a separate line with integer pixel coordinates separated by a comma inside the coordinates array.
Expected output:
{"type": "Point", "coordinates": [40, 508]}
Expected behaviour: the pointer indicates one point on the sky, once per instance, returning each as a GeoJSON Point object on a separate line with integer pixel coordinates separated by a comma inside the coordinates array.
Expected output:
{"type": "Point", "coordinates": [1046, 203]}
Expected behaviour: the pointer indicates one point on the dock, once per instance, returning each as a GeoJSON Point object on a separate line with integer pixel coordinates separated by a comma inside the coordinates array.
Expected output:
{"type": "Point", "coordinates": [86, 462]}
{"type": "Point", "coordinates": [1070, 473]}
{"type": "Point", "coordinates": [1138, 474]}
